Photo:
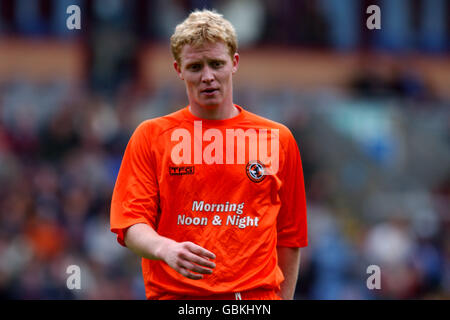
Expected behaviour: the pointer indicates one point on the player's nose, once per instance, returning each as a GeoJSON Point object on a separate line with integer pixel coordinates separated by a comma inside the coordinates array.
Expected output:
{"type": "Point", "coordinates": [207, 75]}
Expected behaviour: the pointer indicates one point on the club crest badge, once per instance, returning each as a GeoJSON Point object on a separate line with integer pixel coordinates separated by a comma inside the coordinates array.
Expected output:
{"type": "Point", "coordinates": [255, 171]}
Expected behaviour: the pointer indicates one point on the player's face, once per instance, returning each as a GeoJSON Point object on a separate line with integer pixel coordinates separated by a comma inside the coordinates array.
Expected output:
{"type": "Point", "coordinates": [207, 72]}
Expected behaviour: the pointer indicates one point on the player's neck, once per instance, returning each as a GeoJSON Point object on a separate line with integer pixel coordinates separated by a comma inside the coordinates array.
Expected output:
{"type": "Point", "coordinates": [221, 112]}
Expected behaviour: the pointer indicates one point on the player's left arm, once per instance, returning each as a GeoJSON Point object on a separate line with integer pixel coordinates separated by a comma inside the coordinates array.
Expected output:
{"type": "Point", "coordinates": [291, 219]}
{"type": "Point", "coordinates": [289, 262]}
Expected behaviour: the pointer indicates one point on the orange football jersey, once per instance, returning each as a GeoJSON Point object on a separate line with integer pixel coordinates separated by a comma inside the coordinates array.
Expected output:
{"type": "Point", "coordinates": [211, 182]}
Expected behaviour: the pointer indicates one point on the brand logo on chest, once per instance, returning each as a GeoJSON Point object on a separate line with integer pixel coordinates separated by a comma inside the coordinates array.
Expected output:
{"type": "Point", "coordinates": [182, 170]}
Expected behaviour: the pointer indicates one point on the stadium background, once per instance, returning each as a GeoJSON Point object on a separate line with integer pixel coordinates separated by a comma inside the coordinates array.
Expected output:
{"type": "Point", "coordinates": [369, 109]}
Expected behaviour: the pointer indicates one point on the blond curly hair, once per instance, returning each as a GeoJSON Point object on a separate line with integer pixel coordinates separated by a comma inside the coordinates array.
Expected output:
{"type": "Point", "coordinates": [200, 27]}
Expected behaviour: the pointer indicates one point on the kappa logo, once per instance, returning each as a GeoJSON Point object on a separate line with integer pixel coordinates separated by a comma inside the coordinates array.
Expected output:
{"type": "Point", "coordinates": [180, 171]}
{"type": "Point", "coordinates": [255, 171]}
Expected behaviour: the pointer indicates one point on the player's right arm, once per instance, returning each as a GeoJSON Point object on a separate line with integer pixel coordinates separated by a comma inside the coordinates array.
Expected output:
{"type": "Point", "coordinates": [134, 208]}
{"type": "Point", "coordinates": [187, 258]}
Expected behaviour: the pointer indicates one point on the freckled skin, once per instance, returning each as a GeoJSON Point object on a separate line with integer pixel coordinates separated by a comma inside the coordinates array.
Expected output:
{"type": "Point", "coordinates": [209, 67]}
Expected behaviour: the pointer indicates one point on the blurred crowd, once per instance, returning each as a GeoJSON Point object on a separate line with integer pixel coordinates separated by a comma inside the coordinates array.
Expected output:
{"type": "Point", "coordinates": [407, 24]}
{"type": "Point", "coordinates": [375, 155]}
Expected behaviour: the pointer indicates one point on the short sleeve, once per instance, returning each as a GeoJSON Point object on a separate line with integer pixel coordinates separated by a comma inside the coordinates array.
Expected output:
{"type": "Point", "coordinates": [291, 219]}
{"type": "Point", "coordinates": [135, 195]}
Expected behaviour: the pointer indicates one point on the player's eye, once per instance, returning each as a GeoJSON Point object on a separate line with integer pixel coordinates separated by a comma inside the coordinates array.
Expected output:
{"type": "Point", "coordinates": [216, 64]}
{"type": "Point", "coordinates": [194, 67]}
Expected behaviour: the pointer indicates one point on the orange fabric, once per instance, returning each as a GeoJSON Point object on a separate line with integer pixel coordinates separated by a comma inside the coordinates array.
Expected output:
{"type": "Point", "coordinates": [255, 216]}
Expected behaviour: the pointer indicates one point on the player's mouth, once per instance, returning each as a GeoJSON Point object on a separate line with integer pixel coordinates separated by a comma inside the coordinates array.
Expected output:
{"type": "Point", "coordinates": [210, 91]}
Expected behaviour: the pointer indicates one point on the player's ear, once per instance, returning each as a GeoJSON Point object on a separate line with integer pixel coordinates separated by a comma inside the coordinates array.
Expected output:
{"type": "Point", "coordinates": [235, 63]}
{"type": "Point", "coordinates": [178, 69]}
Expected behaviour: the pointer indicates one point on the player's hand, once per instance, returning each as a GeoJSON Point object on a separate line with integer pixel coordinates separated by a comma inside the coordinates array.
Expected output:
{"type": "Point", "coordinates": [189, 259]}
